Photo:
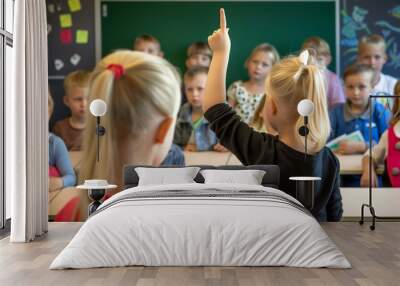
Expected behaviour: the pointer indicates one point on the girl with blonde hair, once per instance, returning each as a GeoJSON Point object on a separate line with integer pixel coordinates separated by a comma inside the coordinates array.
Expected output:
{"type": "Point", "coordinates": [289, 81]}
{"type": "Point", "coordinates": [142, 93]}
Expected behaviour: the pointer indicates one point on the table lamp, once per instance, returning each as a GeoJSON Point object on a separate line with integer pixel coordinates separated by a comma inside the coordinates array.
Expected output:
{"type": "Point", "coordinates": [98, 108]}
{"type": "Point", "coordinates": [305, 186]}
{"type": "Point", "coordinates": [97, 188]}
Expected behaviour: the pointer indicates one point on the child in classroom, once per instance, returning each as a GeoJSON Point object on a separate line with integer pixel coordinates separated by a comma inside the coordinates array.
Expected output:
{"type": "Point", "coordinates": [141, 114]}
{"type": "Point", "coordinates": [76, 86]}
{"type": "Point", "coordinates": [61, 173]}
{"type": "Point", "coordinates": [148, 44]}
{"type": "Point", "coordinates": [244, 96]}
{"type": "Point", "coordinates": [353, 115]}
{"type": "Point", "coordinates": [372, 52]}
{"type": "Point", "coordinates": [192, 131]}
{"type": "Point", "coordinates": [386, 152]}
{"type": "Point", "coordinates": [198, 54]}
{"type": "Point", "coordinates": [335, 93]}
{"type": "Point", "coordinates": [289, 81]}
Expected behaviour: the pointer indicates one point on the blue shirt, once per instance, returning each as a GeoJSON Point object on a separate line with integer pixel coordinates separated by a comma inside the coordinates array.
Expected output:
{"type": "Point", "coordinates": [205, 139]}
{"type": "Point", "coordinates": [174, 157]}
{"type": "Point", "coordinates": [59, 157]}
{"type": "Point", "coordinates": [343, 121]}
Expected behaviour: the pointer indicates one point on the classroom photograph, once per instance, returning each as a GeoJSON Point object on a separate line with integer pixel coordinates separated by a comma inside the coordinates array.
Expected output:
{"type": "Point", "coordinates": [200, 143]}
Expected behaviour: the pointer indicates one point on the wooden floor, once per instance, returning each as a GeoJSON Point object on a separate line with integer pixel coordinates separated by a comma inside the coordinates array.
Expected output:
{"type": "Point", "coordinates": [374, 255]}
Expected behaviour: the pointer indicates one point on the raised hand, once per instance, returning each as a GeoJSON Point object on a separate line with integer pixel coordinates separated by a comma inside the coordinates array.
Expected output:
{"type": "Point", "coordinates": [219, 40]}
{"type": "Point", "coordinates": [215, 91]}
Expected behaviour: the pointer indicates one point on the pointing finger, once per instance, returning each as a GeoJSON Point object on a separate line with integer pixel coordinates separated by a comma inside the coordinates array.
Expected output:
{"type": "Point", "coordinates": [222, 19]}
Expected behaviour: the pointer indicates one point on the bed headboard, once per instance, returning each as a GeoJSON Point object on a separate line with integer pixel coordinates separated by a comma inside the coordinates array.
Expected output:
{"type": "Point", "coordinates": [270, 179]}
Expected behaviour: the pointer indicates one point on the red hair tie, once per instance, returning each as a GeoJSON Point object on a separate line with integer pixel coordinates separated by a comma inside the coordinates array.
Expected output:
{"type": "Point", "coordinates": [117, 69]}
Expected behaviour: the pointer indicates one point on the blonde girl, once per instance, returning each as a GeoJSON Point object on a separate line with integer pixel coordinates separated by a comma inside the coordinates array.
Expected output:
{"type": "Point", "coordinates": [142, 93]}
{"type": "Point", "coordinates": [290, 81]}
{"type": "Point", "coordinates": [245, 96]}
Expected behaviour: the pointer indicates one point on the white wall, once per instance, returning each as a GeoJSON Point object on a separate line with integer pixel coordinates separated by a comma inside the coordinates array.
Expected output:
{"type": "Point", "coordinates": [385, 201]}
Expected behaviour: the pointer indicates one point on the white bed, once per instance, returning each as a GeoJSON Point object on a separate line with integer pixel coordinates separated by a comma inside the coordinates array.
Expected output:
{"type": "Point", "coordinates": [201, 224]}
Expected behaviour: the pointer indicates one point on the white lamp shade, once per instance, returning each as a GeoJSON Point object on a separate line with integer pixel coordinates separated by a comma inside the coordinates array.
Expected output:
{"type": "Point", "coordinates": [98, 107]}
{"type": "Point", "coordinates": [305, 107]}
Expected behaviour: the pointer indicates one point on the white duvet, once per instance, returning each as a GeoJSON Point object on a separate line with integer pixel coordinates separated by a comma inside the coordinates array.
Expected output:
{"type": "Point", "coordinates": [188, 231]}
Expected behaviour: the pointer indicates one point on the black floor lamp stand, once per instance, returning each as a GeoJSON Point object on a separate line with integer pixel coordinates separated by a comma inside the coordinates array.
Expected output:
{"type": "Point", "coordinates": [370, 205]}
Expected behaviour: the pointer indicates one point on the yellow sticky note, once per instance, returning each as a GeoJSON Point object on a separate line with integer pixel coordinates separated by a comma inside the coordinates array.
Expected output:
{"type": "Point", "coordinates": [65, 21]}
{"type": "Point", "coordinates": [82, 36]}
{"type": "Point", "coordinates": [74, 5]}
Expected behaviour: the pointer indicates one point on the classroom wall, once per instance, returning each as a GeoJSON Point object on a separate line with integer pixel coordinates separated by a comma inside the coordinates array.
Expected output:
{"type": "Point", "coordinates": [362, 17]}
{"type": "Point", "coordinates": [177, 24]}
{"type": "Point", "coordinates": [71, 45]}
{"type": "Point", "coordinates": [357, 18]}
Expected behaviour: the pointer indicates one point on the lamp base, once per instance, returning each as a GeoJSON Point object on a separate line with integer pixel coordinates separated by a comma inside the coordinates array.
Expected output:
{"type": "Point", "coordinates": [95, 195]}
{"type": "Point", "coordinates": [374, 216]}
{"type": "Point", "coordinates": [305, 190]}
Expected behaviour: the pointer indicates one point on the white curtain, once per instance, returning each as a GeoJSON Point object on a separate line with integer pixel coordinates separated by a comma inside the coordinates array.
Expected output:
{"type": "Point", "coordinates": [26, 123]}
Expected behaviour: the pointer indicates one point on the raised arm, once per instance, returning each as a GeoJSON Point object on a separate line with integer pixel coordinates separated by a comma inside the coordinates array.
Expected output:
{"type": "Point", "coordinates": [220, 44]}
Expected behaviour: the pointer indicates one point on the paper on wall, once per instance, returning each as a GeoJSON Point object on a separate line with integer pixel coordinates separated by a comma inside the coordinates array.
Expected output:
{"type": "Point", "coordinates": [49, 29]}
{"type": "Point", "coordinates": [51, 8]}
{"type": "Point", "coordinates": [82, 36]}
{"type": "Point", "coordinates": [65, 20]}
{"type": "Point", "coordinates": [66, 36]}
{"type": "Point", "coordinates": [75, 59]}
{"type": "Point", "coordinates": [58, 64]}
{"type": "Point", "coordinates": [74, 5]}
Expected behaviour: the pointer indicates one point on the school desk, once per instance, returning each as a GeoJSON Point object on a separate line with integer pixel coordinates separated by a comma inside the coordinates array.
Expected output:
{"type": "Point", "coordinates": [385, 199]}
{"type": "Point", "coordinates": [349, 164]}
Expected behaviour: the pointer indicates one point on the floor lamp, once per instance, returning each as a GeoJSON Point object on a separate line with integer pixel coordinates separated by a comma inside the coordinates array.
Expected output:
{"type": "Point", "coordinates": [370, 205]}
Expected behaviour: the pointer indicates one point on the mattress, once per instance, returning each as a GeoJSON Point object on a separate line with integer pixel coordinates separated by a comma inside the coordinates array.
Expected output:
{"type": "Point", "coordinates": [201, 225]}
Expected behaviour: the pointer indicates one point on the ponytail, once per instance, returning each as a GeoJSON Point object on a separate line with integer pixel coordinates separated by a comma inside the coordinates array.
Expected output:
{"type": "Point", "coordinates": [135, 86]}
{"type": "Point", "coordinates": [311, 85]}
{"type": "Point", "coordinates": [298, 78]}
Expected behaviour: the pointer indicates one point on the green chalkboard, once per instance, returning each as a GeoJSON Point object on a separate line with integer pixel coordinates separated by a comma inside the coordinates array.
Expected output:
{"type": "Point", "coordinates": [177, 24]}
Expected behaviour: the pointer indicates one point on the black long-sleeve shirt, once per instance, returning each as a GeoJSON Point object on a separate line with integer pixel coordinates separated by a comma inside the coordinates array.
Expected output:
{"type": "Point", "coordinates": [252, 147]}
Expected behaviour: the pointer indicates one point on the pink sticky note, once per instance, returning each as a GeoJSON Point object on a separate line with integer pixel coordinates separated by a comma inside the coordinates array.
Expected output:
{"type": "Point", "coordinates": [66, 36]}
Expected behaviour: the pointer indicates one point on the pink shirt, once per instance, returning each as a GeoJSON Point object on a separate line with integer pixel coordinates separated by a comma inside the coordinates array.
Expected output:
{"type": "Point", "coordinates": [335, 92]}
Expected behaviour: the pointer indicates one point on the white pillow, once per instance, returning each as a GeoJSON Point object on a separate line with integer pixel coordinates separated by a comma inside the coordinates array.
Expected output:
{"type": "Point", "coordinates": [248, 177]}
{"type": "Point", "coordinates": [163, 176]}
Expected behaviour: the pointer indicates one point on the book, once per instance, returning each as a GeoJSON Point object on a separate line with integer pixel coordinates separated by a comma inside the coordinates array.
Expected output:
{"type": "Point", "coordinates": [334, 144]}
{"type": "Point", "coordinates": [354, 136]}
